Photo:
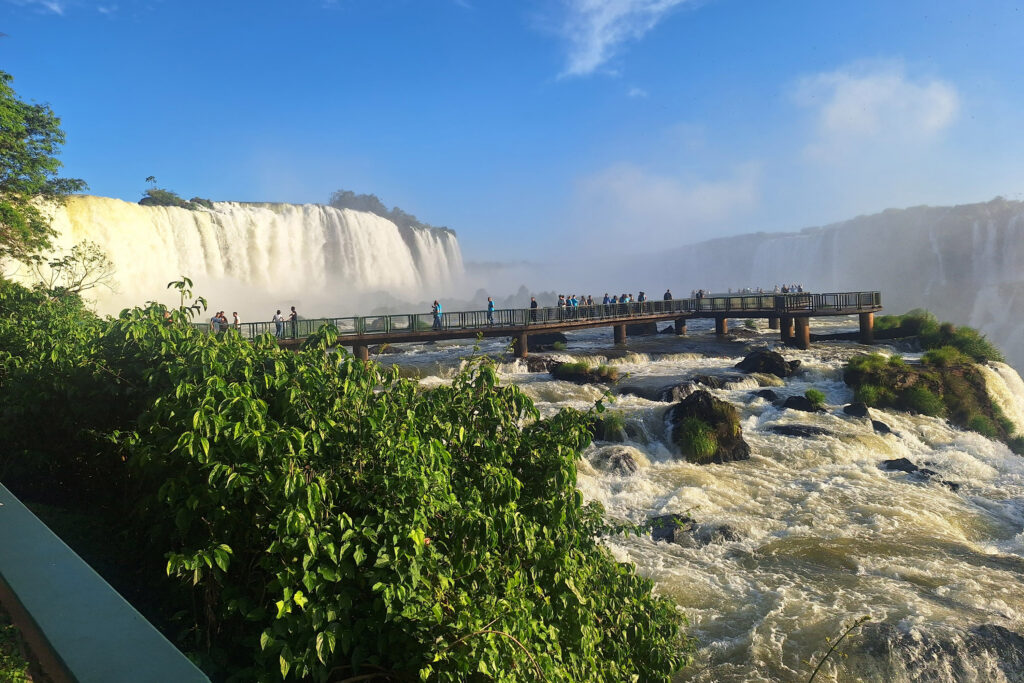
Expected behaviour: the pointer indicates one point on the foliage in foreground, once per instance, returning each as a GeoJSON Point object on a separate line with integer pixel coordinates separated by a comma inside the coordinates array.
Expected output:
{"type": "Point", "coordinates": [13, 666]}
{"type": "Point", "coordinates": [320, 518]}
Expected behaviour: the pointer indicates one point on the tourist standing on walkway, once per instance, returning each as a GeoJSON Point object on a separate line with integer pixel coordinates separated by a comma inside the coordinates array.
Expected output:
{"type": "Point", "coordinates": [490, 311]}
{"type": "Point", "coordinates": [668, 295]}
{"type": "Point", "coordinates": [237, 322]}
{"type": "Point", "coordinates": [294, 318]}
{"type": "Point", "coordinates": [278, 324]}
{"type": "Point", "coordinates": [436, 310]}
{"type": "Point", "coordinates": [533, 309]}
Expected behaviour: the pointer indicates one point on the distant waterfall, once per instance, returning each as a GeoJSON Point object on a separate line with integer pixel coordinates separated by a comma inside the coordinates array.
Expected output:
{"type": "Point", "coordinates": [257, 257]}
{"type": "Point", "coordinates": [963, 263]}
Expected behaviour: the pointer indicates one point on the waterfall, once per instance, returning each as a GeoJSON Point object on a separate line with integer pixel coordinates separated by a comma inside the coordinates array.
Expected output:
{"type": "Point", "coordinates": [254, 258]}
{"type": "Point", "coordinates": [963, 263]}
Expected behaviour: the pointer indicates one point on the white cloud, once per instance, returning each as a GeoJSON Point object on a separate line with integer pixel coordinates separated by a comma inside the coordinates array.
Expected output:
{"type": "Point", "coordinates": [871, 105]}
{"type": "Point", "coordinates": [54, 6]}
{"type": "Point", "coordinates": [628, 201]}
{"type": "Point", "coordinates": [597, 29]}
{"type": "Point", "coordinates": [636, 92]}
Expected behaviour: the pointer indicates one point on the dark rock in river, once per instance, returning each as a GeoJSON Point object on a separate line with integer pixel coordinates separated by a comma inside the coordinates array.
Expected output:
{"type": "Point", "coordinates": [898, 465]}
{"type": "Point", "coordinates": [671, 329]}
{"type": "Point", "coordinates": [904, 465]}
{"type": "Point", "coordinates": [671, 528]}
{"type": "Point", "coordinates": [616, 459]}
{"type": "Point", "coordinates": [800, 403]}
{"type": "Point", "coordinates": [545, 341]}
{"type": "Point", "coordinates": [766, 394]}
{"type": "Point", "coordinates": [682, 530]}
{"type": "Point", "coordinates": [768, 362]}
{"type": "Point", "coordinates": [383, 349]}
{"type": "Point", "coordinates": [641, 329]}
{"type": "Point", "coordinates": [718, 417]}
{"type": "Point", "coordinates": [539, 363]}
{"type": "Point", "coordinates": [678, 392]}
{"type": "Point", "coordinates": [717, 381]}
{"type": "Point", "coordinates": [803, 431]}
{"type": "Point", "coordinates": [856, 409]}
{"type": "Point", "coordinates": [880, 427]}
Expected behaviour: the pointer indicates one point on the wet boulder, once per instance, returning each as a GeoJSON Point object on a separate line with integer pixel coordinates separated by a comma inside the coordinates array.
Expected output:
{"type": "Point", "coordinates": [768, 362]}
{"type": "Point", "coordinates": [766, 394]}
{"type": "Point", "coordinates": [801, 403]}
{"type": "Point", "coordinates": [539, 363]}
{"type": "Point", "coordinates": [670, 528]}
{"type": "Point", "coordinates": [880, 427]}
{"type": "Point", "coordinates": [617, 460]}
{"type": "Point", "coordinates": [898, 465]}
{"type": "Point", "coordinates": [922, 473]}
{"type": "Point", "coordinates": [717, 381]}
{"type": "Point", "coordinates": [707, 430]}
{"type": "Point", "coordinates": [802, 431]}
{"type": "Point", "coordinates": [671, 329]}
{"type": "Point", "coordinates": [678, 392]}
{"type": "Point", "coordinates": [684, 531]}
{"type": "Point", "coordinates": [857, 409]}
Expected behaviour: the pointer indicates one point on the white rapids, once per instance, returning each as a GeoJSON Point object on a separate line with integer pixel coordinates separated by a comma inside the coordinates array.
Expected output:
{"type": "Point", "coordinates": [819, 534]}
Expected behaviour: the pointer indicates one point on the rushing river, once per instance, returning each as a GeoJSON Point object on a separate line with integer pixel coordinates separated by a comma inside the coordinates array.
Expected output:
{"type": "Point", "coordinates": [817, 534]}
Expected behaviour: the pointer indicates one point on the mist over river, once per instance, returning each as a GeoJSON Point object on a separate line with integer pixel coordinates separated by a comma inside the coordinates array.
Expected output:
{"type": "Point", "coordinates": [810, 533]}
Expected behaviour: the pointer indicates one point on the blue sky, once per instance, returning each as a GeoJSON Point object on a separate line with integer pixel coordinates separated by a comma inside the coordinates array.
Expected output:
{"type": "Point", "coordinates": [581, 124]}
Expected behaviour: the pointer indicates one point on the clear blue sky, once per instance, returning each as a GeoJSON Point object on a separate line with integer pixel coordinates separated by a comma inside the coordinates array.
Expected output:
{"type": "Point", "coordinates": [591, 124]}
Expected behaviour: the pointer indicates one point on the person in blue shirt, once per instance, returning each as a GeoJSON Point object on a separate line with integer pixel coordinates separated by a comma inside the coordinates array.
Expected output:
{"type": "Point", "coordinates": [436, 310]}
{"type": "Point", "coordinates": [490, 311]}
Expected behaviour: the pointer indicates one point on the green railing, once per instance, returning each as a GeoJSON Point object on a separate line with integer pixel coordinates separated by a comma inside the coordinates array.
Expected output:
{"type": "Point", "coordinates": [747, 304]}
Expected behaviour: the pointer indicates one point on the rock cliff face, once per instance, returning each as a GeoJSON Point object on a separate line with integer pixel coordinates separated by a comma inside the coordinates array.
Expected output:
{"type": "Point", "coordinates": [963, 263]}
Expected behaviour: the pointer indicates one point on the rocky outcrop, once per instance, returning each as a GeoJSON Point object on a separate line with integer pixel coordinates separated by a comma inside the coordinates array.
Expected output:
{"type": "Point", "coordinates": [546, 341]}
{"type": "Point", "coordinates": [856, 409]}
{"type": "Point", "coordinates": [683, 530]}
{"type": "Point", "coordinates": [766, 394]}
{"type": "Point", "coordinates": [904, 465]}
{"type": "Point", "coordinates": [801, 403]}
{"type": "Point", "coordinates": [803, 431]}
{"type": "Point", "coordinates": [880, 427]}
{"type": "Point", "coordinates": [769, 363]}
{"type": "Point", "coordinates": [707, 430]}
{"type": "Point", "coordinates": [616, 459]}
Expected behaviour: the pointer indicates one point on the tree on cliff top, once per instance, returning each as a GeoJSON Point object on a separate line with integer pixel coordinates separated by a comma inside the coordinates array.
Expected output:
{"type": "Point", "coordinates": [30, 139]}
{"type": "Point", "coordinates": [371, 203]}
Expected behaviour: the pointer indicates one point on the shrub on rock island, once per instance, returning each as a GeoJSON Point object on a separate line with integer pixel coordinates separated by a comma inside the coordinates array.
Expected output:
{"type": "Point", "coordinates": [816, 397]}
{"type": "Point", "coordinates": [320, 518]}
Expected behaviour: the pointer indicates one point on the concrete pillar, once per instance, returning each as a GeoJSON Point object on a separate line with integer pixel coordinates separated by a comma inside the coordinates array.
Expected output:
{"type": "Point", "coordinates": [867, 328]}
{"type": "Point", "coordinates": [680, 326]}
{"type": "Point", "coordinates": [773, 322]}
{"type": "Point", "coordinates": [620, 334]}
{"type": "Point", "coordinates": [721, 325]}
{"type": "Point", "coordinates": [521, 345]}
{"type": "Point", "coordinates": [361, 351]}
{"type": "Point", "coordinates": [803, 332]}
{"type": "Point", "coordinates": [786, 332]}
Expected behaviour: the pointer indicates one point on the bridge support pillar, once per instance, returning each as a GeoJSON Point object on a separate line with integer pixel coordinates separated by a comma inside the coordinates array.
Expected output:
{"type": "Point", "coordinates": [620, 334]}
{"type": "Point", "coordinates": [803, 332]}
{"type": "Point", "coordinates": [521, 345]}
{"type": "Point", "coordinates": [680, 326]}
{"type": "Point", "coordinates": [773, 322]}
{"type": "Point", "coordinates": [786, 332]}
{"type": "Point", "coordinates": [361, 351]}
{"type": "Point", "coordinates": [867, 328]}
{"type": "Point", "coordinates": [721, 325]}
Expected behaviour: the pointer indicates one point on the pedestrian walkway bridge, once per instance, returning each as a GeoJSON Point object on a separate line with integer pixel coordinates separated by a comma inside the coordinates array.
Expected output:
{"type": "Point", "coordinates": [789, 313]}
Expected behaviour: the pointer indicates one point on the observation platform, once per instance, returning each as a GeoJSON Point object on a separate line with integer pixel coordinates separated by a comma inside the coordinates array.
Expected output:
{"type": "Point", "coordinates": [788, 313]}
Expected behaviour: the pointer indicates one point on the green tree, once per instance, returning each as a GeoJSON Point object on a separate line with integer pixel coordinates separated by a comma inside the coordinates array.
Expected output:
{"type": "Point", "coordinates": [30, 139]}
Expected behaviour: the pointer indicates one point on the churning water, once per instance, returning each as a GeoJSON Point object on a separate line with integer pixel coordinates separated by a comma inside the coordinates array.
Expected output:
{"type": "Point", "coordinates": [811, 533]}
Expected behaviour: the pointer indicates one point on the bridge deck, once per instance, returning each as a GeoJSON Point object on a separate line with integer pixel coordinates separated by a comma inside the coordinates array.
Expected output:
{"type": "Point", "coordinates": [413, 327]}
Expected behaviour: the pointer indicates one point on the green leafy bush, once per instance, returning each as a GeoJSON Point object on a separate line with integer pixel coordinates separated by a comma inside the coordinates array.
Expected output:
{"type": "Point", "coordinates": [559, 346]}
{"type": "Point", "coordinates": [697, 440]}
{"type": "Point", "coordinates": [578, 371]}
{"type": "Point", "coordinates": [610, 426]}
{"type": "Point", "coordinates": [158, 197]}
{"type": "Point", "coordinates": [317, 517]}
{"type": "Point", "coordinates": [816, 397]}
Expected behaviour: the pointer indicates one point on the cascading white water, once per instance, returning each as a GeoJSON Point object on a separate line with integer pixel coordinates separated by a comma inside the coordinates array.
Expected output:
{"type": "Point", "coordinates": [257, 257]}
{"type": "Point", "coordinates": [819, 533]}
{"type": "Point", "coordinates": [963, 263]}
